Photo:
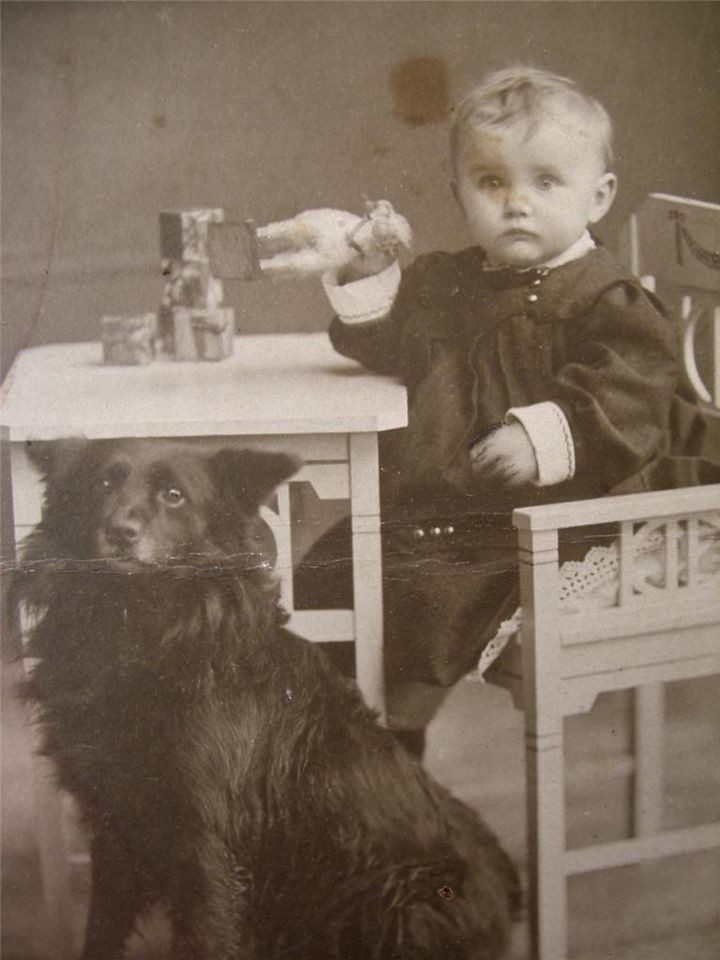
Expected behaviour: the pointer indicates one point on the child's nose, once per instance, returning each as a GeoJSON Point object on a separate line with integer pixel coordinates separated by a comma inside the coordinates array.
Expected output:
{"type": "Point", "coordinates": [517, 203]}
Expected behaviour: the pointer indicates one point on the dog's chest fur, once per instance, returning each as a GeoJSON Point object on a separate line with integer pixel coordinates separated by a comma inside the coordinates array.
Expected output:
{"type": "Point", "coordinates": [138, 681]}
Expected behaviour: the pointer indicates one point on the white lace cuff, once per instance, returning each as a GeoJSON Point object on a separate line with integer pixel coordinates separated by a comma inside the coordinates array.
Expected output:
{"type": "Point", "coordinates": [368, 299]}
{"type": "Point", "coordinates": [549, 432]}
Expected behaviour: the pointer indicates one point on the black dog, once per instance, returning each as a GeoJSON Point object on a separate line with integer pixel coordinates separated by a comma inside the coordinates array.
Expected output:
{"type": "Point", "coordinates": [222, 766]}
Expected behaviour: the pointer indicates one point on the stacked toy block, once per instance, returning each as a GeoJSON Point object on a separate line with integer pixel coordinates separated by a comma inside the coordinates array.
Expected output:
{"type": "Point", "coordinates": [192, 322]}
{"type": "Point", "coordinates": [129, 340]}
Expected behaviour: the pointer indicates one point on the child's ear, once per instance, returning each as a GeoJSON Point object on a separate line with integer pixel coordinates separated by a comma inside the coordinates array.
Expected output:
{"type": "Point", "coordinates": [605, 191]}
{"type": "Point", "coordinates": [252, 475]}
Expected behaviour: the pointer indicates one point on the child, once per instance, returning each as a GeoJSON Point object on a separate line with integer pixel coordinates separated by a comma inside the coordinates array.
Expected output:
{"type": "Point", "coordinates": [537, 370]}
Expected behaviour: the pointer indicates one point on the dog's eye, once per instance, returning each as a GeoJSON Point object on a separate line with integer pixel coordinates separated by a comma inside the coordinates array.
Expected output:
{"type": "Point", "coordinates": [104, 483]}
{"type": "Point", "coordinates": [172, 497]}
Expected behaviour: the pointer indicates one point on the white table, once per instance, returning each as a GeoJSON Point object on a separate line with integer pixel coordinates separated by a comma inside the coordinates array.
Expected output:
{"type": "Point", "coordinates": [284, 391]}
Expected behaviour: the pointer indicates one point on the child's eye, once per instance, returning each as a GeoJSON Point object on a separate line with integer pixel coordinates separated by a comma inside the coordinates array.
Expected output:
{"type": "Point", "coordinates": [547, 182]}
{"type": "Point", "coordinates": [172, 497]}
{"type": "Point", "coordinates": [489, 182]}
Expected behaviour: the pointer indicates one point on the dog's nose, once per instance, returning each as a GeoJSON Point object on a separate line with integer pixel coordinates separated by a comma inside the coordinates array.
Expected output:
{"type": "Point", "coordinates": [123, 532]}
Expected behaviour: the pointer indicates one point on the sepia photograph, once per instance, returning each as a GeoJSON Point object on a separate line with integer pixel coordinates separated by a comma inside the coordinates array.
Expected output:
{"type": "Point", "coordinates": [360, 479]}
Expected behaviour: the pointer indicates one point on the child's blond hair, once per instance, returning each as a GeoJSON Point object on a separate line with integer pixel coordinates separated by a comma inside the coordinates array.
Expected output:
{"type": "Point", "coordinates": [524, 93]}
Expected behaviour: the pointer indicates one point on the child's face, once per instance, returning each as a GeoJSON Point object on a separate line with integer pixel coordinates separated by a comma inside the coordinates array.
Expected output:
{"type": "Point", "coordinates": [528, 194]}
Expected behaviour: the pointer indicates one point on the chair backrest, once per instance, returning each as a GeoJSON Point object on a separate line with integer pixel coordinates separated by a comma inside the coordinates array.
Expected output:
{"type": "Point", "coordinates": [673, 245]}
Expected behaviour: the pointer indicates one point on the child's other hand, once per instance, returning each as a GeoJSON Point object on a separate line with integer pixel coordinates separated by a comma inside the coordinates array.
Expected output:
{"type": "Point", "coordinates": [506, 456]}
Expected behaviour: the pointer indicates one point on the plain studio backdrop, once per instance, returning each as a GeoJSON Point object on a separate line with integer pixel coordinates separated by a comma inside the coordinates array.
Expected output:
{"type": "Point", "coordinates": [112, 112]}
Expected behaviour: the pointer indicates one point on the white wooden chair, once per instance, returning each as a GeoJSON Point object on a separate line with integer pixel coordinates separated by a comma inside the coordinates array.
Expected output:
{"type": "Point", "coordinates": [673, 245]}
{"type": "Point", "coordinates": [663, 625]}
{"type": "Point", "coordinates": [657, 629]}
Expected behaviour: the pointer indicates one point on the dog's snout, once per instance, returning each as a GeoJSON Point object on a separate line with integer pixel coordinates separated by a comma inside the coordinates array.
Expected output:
{"type": "Point", "coordinates": [123, 531]}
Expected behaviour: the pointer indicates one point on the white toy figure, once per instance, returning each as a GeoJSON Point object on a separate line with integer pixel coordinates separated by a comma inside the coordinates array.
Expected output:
{"type": "Point", "coordinates": [319, 240]}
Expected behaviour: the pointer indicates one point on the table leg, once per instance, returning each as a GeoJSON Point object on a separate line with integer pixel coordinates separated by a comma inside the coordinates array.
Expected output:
{"type": "Point", "coordinates": [367, 568]}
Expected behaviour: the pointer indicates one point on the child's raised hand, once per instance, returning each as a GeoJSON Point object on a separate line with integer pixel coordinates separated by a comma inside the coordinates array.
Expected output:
{"type": "Point", "coordinates": [505, 455]}
{"type": "Point", "coordinates": [364, 265]}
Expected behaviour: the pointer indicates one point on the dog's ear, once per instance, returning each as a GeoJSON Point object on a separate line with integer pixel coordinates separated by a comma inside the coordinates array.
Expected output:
{"type": "Point", "coordinates": [252, 475]}
{"type": "Point", "coordinates": [53, 456]}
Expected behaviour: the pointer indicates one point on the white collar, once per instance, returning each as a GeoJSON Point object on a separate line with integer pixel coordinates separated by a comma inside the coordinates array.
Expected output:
{"type": "Point", "coordinates": [582, 245]}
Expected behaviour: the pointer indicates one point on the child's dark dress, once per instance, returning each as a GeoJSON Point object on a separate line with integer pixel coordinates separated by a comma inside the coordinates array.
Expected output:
{"type": "Point", "coordinates": [470, 344]}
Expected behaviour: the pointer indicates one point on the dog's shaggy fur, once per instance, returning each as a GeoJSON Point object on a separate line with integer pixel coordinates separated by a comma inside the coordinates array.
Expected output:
{"type": "Point", "coordinates": [220, 763]}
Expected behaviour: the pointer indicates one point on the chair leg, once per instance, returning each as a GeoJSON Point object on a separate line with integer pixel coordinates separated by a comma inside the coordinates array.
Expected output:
{"type": "Point", "coordinates": [544, 764]}
{"type": "Point", "coordinates": [544, 699]}
{"type": "Point", "coordinates": [649, 750]}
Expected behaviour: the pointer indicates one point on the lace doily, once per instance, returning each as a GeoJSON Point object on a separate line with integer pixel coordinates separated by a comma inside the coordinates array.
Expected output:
{"type": "Point", "coordinates": [593, 583]}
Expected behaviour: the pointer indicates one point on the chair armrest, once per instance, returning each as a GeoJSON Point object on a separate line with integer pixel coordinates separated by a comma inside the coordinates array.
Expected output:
{"type": "Point", "coordinates": [636, 506]}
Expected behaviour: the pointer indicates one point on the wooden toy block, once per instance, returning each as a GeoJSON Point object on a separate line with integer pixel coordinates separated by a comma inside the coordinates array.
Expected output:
{"type": "Point", "coordinates": [184, 233]}
{"type": "Point", "coordinates": [203, 334]}
{"type": "Point", "coordinates": [129, 340]}
{"type": "Point", "coordinates": [233, 251]}
{"type": "Point", "coordinates": [189, 283]}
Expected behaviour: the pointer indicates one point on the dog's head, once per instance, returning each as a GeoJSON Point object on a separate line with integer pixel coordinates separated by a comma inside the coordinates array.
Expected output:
{"type": "Point", "coordinates": [148, 502]}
